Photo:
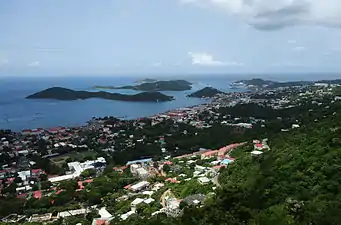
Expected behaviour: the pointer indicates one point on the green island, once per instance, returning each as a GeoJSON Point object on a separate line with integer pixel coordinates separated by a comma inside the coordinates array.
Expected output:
{"type": "Point", "coordinates": [207, 92]}
{"type": "Point", "coordinates": [170, 85]}
{"type": "Point", "coordinates": [253, 158]}
{"type": "Point", "coordinates": [65, 94]}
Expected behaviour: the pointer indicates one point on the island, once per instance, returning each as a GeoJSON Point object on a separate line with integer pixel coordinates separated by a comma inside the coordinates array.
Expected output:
{"type": "Point", "coordinates": [207, 92]}
{"type": "Point", "coordinates": [147, 80]}
{"type": "Point", "coordinates": [64, 94]}
{"type": "Point", "coordinates": [170, 85]}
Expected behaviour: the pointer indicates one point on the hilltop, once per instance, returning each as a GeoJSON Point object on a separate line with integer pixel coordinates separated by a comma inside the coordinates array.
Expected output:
{"type": "Point", "coordinates": [171, 85]}
{"type": "Point", "coordinates": [65, 94]}
{"type": "Point", "coordinates": [207, 92]}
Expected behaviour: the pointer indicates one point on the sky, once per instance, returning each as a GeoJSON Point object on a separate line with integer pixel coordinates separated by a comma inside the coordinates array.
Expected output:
{"type": "Point", "coordinates": [112, 37]}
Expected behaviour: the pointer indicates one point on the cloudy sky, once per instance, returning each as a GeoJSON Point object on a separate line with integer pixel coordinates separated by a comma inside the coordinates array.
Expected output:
{"type": "Point", "coordinates": [169, 36]}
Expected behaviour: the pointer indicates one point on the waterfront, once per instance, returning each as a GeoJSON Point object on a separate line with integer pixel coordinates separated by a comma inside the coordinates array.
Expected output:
{"type": "Point", "coordinates": [17, 113]}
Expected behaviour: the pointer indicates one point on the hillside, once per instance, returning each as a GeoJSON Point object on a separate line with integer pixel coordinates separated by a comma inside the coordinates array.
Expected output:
{"type": "Point", "coordinates": [171, 85]}
{"type": "Point", "coordinates": [65, 94]}
{"type": "Point", "coordinates": [260, 83]}
{"type": "Point", "coordinates": [296, 182]}
{"type": "Point", "coordinates": [207, 92]}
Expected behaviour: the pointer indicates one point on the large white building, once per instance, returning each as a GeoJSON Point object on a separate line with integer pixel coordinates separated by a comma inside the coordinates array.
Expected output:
{"type": "Point", "coordinates": [76, 169]}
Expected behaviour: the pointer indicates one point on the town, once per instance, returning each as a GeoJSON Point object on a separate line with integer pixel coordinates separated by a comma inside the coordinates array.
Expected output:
{"type": "Point", "coordinates": [110, 170]}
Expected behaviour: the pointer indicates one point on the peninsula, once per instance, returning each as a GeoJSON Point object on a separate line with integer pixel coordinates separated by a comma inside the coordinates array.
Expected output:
{"type": "Point", "coordinates": [65, 94]}
{"type": "Point", "coordinates": [207, 92]}
{"type": "Point", "coordinates": [268, 84]}
{"type": "Point", "coordinates": [170, 85]}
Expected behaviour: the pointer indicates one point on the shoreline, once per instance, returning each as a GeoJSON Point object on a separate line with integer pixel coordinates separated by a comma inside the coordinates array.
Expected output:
{"type": "Point", "coordinates": [122, 118]}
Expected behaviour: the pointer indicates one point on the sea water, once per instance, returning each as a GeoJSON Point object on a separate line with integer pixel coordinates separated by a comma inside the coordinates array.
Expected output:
{"type": "Point", "coordinates": [17, 113]}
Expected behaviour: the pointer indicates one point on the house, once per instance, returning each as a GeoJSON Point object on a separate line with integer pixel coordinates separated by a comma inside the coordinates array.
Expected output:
{"type": "Point", "coordinates": [142, 161]}
{"type": "Point", "coordinates": [209, 154]}
{"type": "Point", "coordinates": [293, 126]}
{"type": "Point", "coordinates": [142, 173]}
{"type": "Point", "coordinates": [255, 153]}
{"type": "Point", "coordinates": [40, 218]}
{"type": "Point", "coordinates": [136, 202]}
{"type": "Point", "coordinates": [140, 186]}
{"type": "Point", "coordinates": [227, 161]}
{"type": "Point", "coordinates": [172, 180]}
{"type": "Point", "coordinates": [204, 180]}
{"type": "Point", "coordinates": [73, 213]}
{"type": "Point", "coordinates": [37, 195]}
{"type": "Point", "coordinates": [127, 215]}
{"type": "Point", "coordinates": [200, 168]}
{"type": "Point", "coordinates": [101, 221]}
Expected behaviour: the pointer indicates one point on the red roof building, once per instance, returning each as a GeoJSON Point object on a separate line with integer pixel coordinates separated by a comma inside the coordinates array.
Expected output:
{"type": "Point", "coordinates": [37, 195]}
{"type": "Point", "coordinates": [172, 180]}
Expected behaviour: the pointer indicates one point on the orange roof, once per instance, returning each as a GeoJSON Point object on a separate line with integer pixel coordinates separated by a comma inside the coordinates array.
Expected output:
{"type": "Point", "coordinates": [209, 153]}
{"type": "Point", "coordinates": [172, 180]}
{"type": "Point", "coordinates": [101, 222]}
{"type": "Point", "coordinates": [37, 194]}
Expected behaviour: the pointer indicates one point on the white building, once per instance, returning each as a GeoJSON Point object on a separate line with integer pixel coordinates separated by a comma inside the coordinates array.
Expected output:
{"type": "Point", "coordinates": [203, 180]}
{"type": "Point", "coordinates": [139, 186]}
{"type": "Point", "coordinates": [77, 168]}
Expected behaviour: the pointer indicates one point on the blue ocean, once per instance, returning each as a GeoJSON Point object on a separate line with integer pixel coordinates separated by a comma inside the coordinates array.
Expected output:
{"type": "Point", "coordinates": [17, 113]}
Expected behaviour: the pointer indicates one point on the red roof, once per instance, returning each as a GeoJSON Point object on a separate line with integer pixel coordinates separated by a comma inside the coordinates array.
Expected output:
{"type": "Point", "coordinates": [37, 194]}
{"type": "Point", "coordinates": [22, 196]}
{"type": "Point", "coordinates": [127, 187]}
{"type": "Point", "coordinates": [101, 222]}
{"type": "Point", "coordinates": [259, 145]}
{"type": "Point", "coordinates": [168, 163]}
{"type": "Point", "coordinates": [218, 167]}
{"type": "Point", "coordinates": [210, 153]}
{"type": "Point", "coordinates": [172, 180]}
{"type": "Point", "coordinates": [58, 192]}
{"type": "Point", "coordinates": [37, 171]}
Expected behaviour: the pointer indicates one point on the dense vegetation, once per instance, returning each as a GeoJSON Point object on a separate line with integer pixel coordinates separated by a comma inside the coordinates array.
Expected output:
{"type": "Point", "coordinates": [297, 182]}
{"type": "Point", "coordinates": [207, 92]}
{"type": "Point", "coordinates": [68, 94]}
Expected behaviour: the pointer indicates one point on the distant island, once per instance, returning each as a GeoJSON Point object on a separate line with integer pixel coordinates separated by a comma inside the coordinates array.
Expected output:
{"type": "Point", "coordinates": [268, 84]}
{"type": "Point", "coordinates": [207, 92]}
{"type": "Point", "coordinates": [147, 80]}
{"type": "Point", "coordinates": [65, 94]}
{"type": "Point", "coordinates": [171, 85]}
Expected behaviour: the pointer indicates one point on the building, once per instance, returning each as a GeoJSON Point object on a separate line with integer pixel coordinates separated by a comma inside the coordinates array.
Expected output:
{"type": "Point", "coordinates": [72, 213]}
{"type": "Point", "coordinates": [204, 180]}
{"type": "Point", "coordinates": [140, 186]}
{"type": "Point", "coordinates": [255, 153]}
{"type": "Point", "coordinates": [142, 161]}
{"type": "Point", "coordinates": [142, 173]}
{"type": "Point", "coordinates": [40, 218]}
{"type": "Point", "coordinates": [76, 169]}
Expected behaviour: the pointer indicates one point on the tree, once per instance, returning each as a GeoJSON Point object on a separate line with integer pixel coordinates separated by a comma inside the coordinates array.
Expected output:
{"type": "Point", "coordinates": [166, 168]}
{"type": "Point", "coordinates": [45, 185]}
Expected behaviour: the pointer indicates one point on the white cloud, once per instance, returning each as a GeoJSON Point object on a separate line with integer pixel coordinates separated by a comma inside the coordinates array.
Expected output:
{"type": "Point", "coordinates": [34, 64]}
{"type": "Point", "coordinates": [205, 59]}
{"type": "Point", "coordinates": [292, 41]}
{"type": "Point", "coordinates": [298, 48]}
{"type": "Point", "coordinates": [276, 14]}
